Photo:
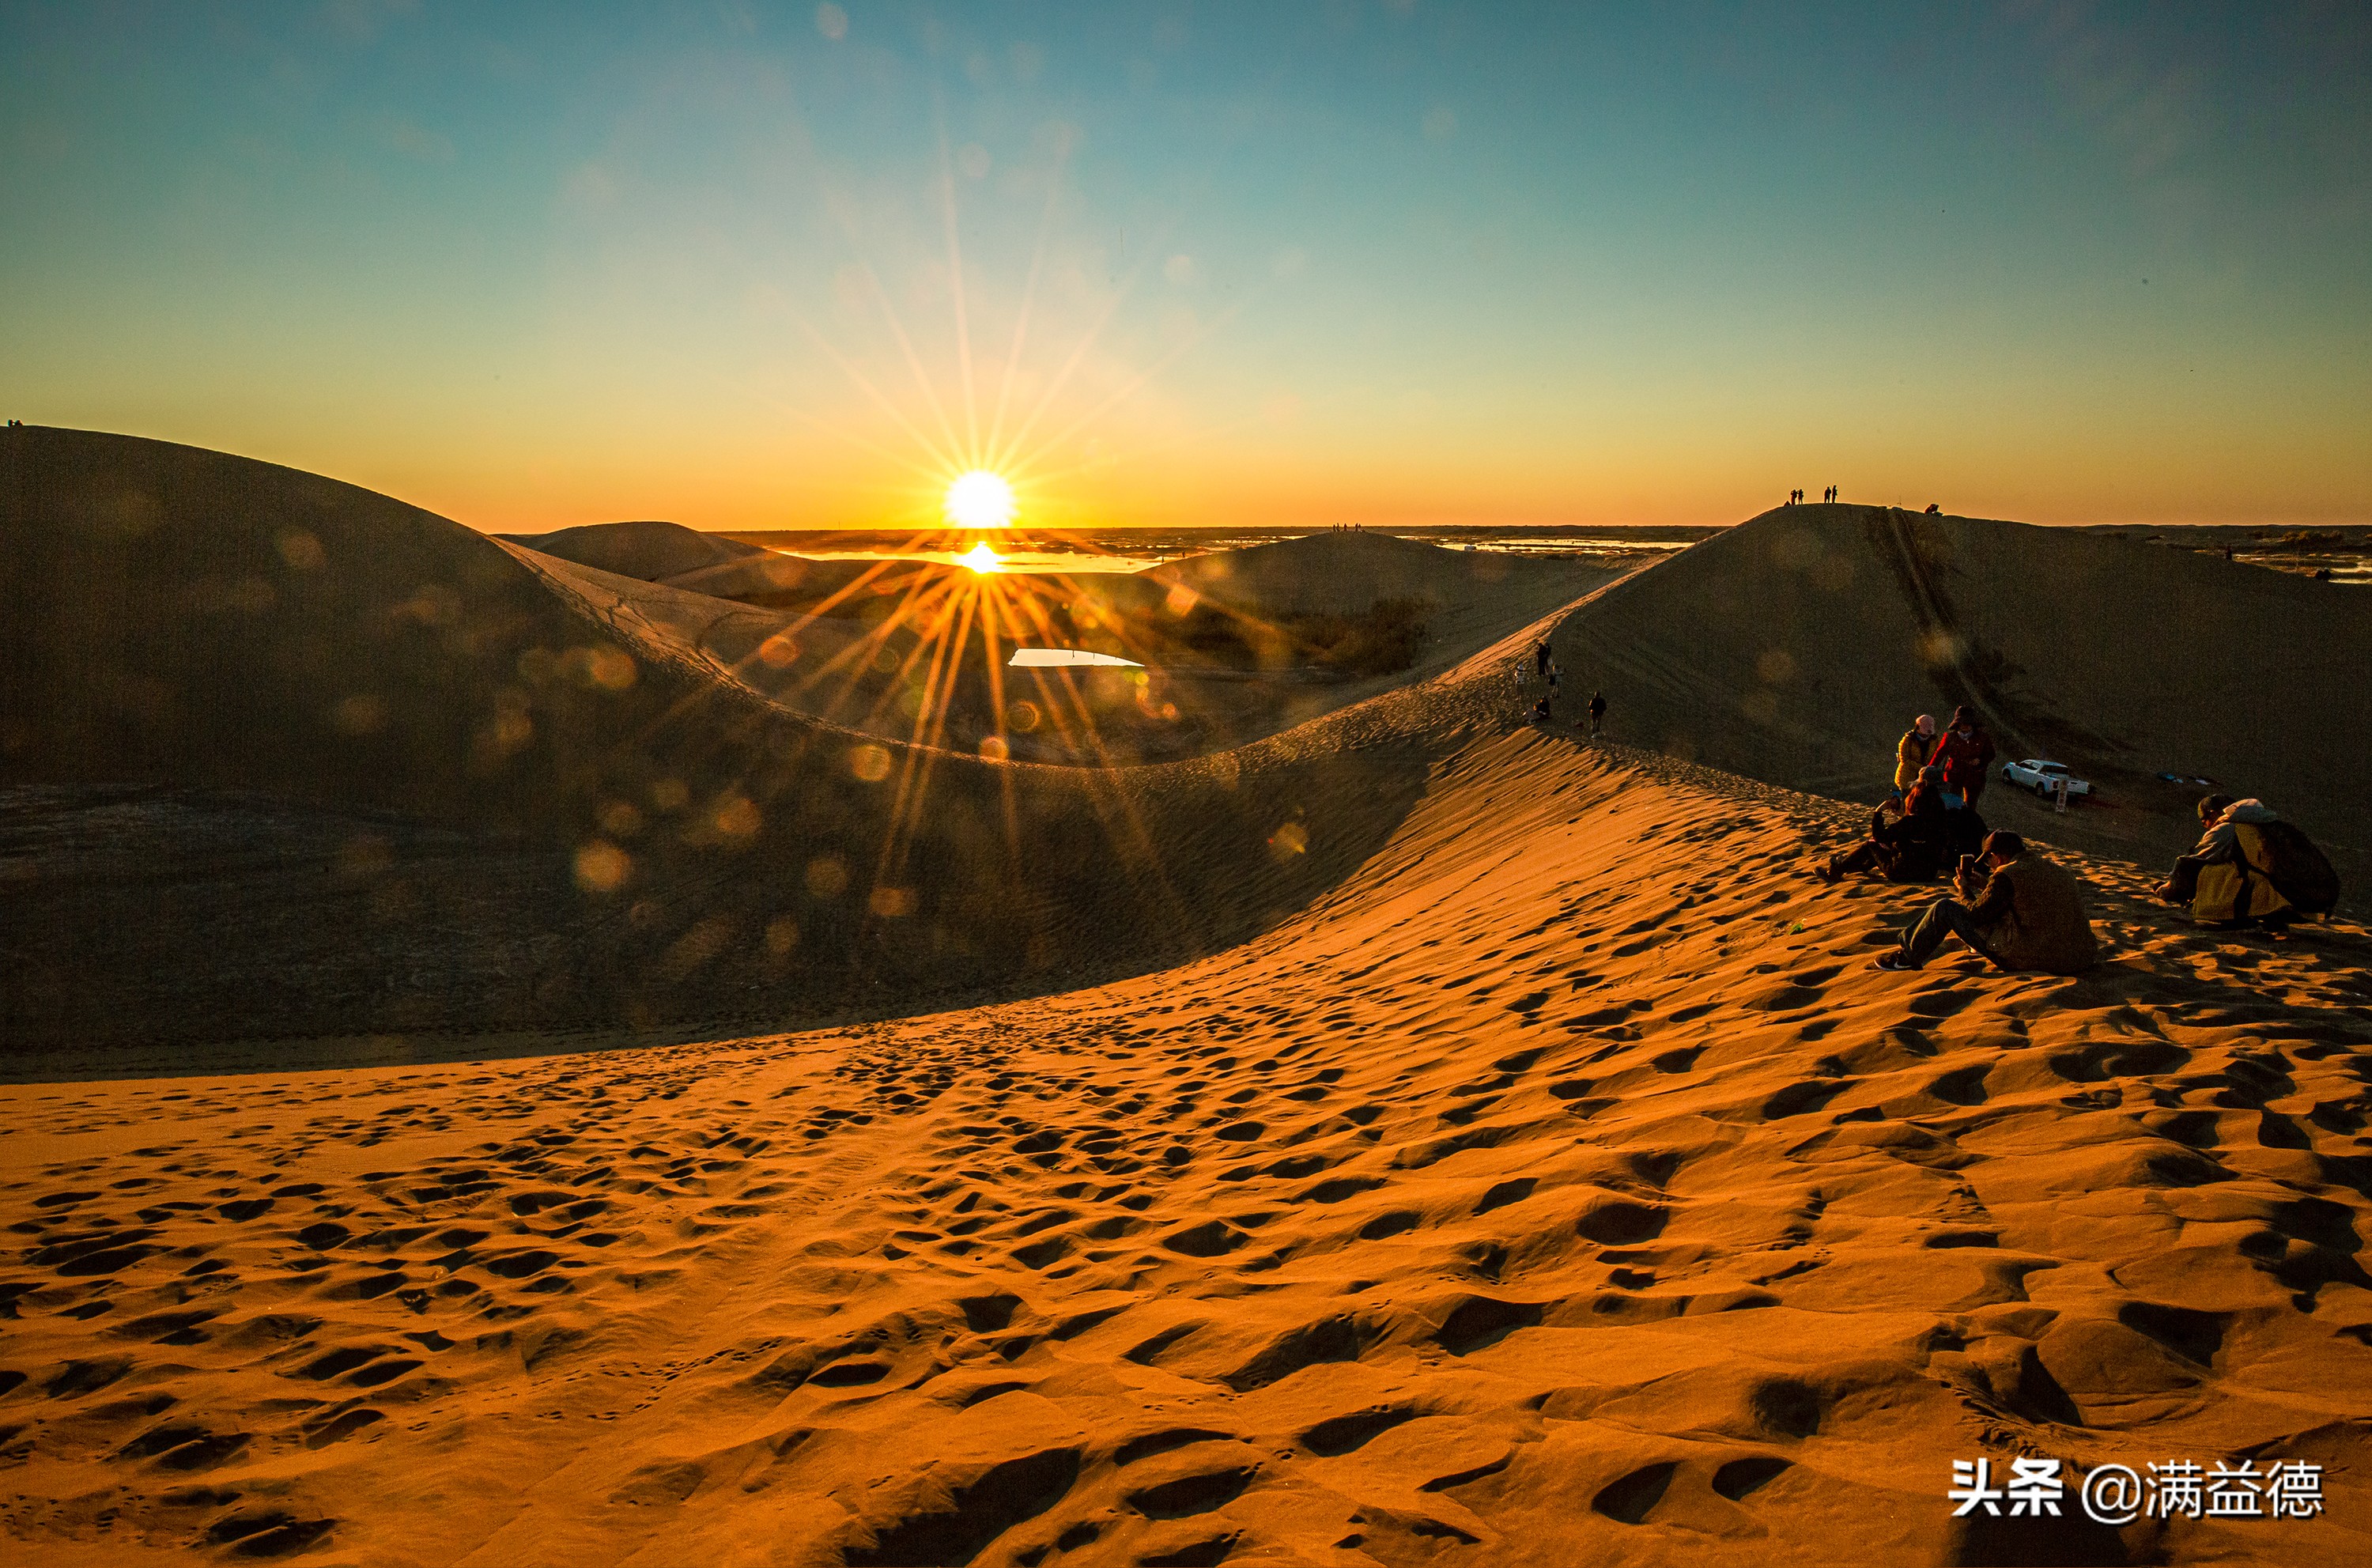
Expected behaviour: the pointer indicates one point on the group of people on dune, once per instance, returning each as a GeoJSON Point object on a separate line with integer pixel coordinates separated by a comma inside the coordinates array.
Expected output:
{"type": "Point", "coordinates": [2022, 911]}
{"type": "Point", "coordinates": [1930, 816]}
{"type": "Point", "coordinates": [1550, 677]}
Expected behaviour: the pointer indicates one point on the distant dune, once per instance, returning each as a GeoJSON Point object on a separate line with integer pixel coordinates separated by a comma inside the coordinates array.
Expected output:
{"type": "Point", "coordinates": [650, 550]}
{"type": "Point", "coordinates": [1798, 647]}
{"type": "Point", "coordinates": [1340, 572]}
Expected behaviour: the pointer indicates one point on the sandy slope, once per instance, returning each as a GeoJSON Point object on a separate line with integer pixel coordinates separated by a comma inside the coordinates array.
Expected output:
{"type": "Point", "coordinates": [1566, 1186]}
{"type": "Point", "coordinates": [1519, 1161]}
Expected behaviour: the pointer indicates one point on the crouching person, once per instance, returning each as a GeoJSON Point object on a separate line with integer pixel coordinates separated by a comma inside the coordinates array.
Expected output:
{"type": "Point", "coordinates": [2249, 866]}
{"type": "Point", "coordinates": [2021, 910]}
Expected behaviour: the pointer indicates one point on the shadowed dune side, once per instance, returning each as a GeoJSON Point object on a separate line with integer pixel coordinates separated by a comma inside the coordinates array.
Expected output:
{"type": "Point", "coordinates": [186, 617]}
{"type": "Point", "coordinates": [189, 620]}
{"type": "Point", "coordinates": [1796, 647]}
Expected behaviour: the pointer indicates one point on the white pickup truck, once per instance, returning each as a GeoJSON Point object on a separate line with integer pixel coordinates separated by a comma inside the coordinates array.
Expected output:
{"type": "Point", "coordinates": [2043, 778]}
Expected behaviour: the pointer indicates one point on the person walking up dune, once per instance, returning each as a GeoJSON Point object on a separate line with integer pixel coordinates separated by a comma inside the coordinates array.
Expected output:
{"type": "Point", "coordinates": [1597, 712]}
{"type": "Point", "coordinates": [2023, 912]}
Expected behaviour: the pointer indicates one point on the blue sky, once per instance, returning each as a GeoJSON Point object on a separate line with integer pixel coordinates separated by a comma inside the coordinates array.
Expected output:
{"type": "Point", "coordinates": [533, 265]}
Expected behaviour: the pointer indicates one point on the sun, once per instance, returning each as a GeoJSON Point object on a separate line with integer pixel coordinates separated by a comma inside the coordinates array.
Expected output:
{"type": "Point", "coordinates": [980, 500]}
{"type": "Point", "coordinates": [980, 558]}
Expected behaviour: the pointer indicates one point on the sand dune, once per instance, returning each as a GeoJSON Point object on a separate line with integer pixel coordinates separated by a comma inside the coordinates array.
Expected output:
{"type": "Point", "coordinates": [1345, 572]}
{"type": "Point", "coordinates": [650, 550]}
{"type": "Point", "coordinates": [1566, 1187]}
{"type": "Point", "coordinates": [1796, 648]}
{"type": "Point", "coordinates": [1405, 1139]}
{"type": "Point", "coordinates": [235, 635]}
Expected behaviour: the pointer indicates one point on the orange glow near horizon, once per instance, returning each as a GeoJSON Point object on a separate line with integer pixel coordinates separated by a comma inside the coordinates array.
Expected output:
{"type": "Point", "coordinates": [980, 558]}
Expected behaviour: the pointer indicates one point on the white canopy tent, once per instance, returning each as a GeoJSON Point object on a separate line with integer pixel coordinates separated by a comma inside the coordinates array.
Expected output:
{"type": "Point", "coordinates": [1066, 659]}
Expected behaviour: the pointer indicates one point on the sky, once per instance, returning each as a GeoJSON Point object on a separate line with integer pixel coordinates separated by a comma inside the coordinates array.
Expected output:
{"type": "Point", "coordinates": [1281, 262]}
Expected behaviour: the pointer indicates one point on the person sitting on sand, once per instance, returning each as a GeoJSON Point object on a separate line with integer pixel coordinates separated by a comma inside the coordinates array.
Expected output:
{"type": "Point", "coordinates": [1912, 752]}
{"type": "Point", "coordinates": [1905, 846]}
{"type": "Point", "coordinates": [1541, 711]}
{"type": "Point", "coordinates": [2250, 868]}
{"type": "Point", "coordinates": [2024, 913]}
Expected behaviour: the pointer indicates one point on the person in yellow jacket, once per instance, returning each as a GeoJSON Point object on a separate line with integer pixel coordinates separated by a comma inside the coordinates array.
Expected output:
{"type": "Point", "coordinates": [1911, 752]}
{"type": "Point", "coordinates": [2228, 876]}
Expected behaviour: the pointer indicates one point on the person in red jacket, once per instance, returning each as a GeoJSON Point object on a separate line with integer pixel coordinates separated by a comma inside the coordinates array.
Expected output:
{"type": "Point", "coordinates": [1963, 752]}
{"type": "Point", "coordinates": [1986, 752]}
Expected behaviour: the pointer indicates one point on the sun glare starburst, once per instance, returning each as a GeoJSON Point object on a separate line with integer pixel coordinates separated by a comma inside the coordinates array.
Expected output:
{"type": "Point", "coordinates": [980, 558]}
{"type": "Point", "coordinates": [980, 500]}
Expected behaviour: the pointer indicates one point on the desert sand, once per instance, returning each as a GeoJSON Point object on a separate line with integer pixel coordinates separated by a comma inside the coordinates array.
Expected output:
{"type": "Point", "coordinates": [1404, 1136]}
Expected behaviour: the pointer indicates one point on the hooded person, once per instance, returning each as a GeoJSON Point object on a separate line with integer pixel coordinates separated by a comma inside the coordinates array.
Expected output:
{"type": "Point", "coordinates": [1911, 752]}
{"type": "Point", "coordinates": [2250, 866]}
{"type": "Point", "coordinates": [1954, 753]}
{"type": "Point", "coordinates": [2023, 912]}
{"type": "Point", "coordinates": [1963, 752]}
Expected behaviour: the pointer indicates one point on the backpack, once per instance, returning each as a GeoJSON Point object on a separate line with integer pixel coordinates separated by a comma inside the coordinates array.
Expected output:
{"type": "Point", "coordinates": [2298, 870]}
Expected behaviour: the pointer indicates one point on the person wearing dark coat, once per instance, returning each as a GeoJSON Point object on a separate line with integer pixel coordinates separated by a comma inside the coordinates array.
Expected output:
{"type": "Point", "coordinates": [2023, 912]}
{"type": "Point", "coordinates": [1908, 846]}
